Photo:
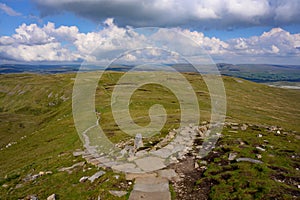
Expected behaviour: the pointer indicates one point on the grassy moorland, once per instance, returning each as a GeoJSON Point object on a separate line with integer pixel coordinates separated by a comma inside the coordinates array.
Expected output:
{"type": "Point", "coordinates": [36, 120]}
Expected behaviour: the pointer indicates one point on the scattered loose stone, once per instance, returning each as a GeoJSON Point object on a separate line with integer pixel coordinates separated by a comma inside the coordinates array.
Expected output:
{"type": "Point", "coordinates": [32, 197]}
{"type": "Point", "coordinates": [117, 193]}
{"type": "Point", "coordinates": [96, 175]}
{"type": "Point", "coordinates": [83, 179]}
{"type": "Point", "coordinates": [232, 156]}
{"type": "Point", "coordinates": [258, 156]}
{"type": "Point", "coordinates": [244, 127]}
{"type": "Point", "coordinates": [261, 149]}
{"type": "Point", "coordinates": [19, 185]}
{"type": "Point", "coordinates": [5, 186]}
{"type": "Point", "coordinates": [78, 153]}
{"type": "Point", "coordinates": [203, 162]}
{"type": "Point", "coordinates": [117, 176]}
{"type": "Point", "coordinates": [249, 160]}
{"type": "Point", "coordinates": [42, 173]}
{"type": "Point", "coordinates": [52, 197]}
{"type": "Point", "coordinates": [69, 169]}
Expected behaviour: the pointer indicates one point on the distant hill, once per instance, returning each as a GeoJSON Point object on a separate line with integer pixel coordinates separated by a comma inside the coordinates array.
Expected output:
{"type": "Point", "coordinates": [262, 72]}
{"type": "Point", "coordinates": [254, 72]}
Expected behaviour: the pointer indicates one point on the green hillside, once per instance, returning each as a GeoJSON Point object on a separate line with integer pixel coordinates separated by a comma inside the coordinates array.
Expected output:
{"type": "Point", "coordinates": [37, 132]}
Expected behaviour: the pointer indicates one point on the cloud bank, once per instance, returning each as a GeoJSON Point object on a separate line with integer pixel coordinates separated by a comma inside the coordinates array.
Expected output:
{"type": "Point", "coordinates": [32, 43]}
{"type": "Point", "coordinates": [219, 14]}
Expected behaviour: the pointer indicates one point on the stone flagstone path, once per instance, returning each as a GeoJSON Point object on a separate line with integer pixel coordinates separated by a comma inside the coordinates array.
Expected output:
{"type": "Point", "coordinates": [147, 168]}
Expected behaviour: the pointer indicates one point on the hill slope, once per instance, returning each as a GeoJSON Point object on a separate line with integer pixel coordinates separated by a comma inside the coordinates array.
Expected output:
{"type": "Point", "coordinates": [37, 131]}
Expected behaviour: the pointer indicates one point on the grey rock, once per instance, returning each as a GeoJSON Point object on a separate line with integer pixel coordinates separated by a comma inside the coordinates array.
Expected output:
{"type": "Point", "coordinates": [83, 179]}
{"type": "Point", "coordinates": [261, 149]}
{"type": "Point", "coordinates": [244, 127]}
{"type": "Point", "coordinates": [117, 193]}
{"type": "Point", "coordinates": [151, 184]}
{"type": "Point", "coordinates": [126, 167]}
{"type": "Point", "coordinates": [52, 197]}
{"type": "Point", "coordinates": [249, 160]}
{"type": "Point", "coordinates": [131, 176]}
{"type": "Point", "coordinates": [203, 162]}
{"type": "Point", "coordinates": [169, 174]}
{"type": "Point", "coordinates": [258, 156]}
{"type": "Point", "coordinates": [163, 153]}
{"type": "Point", "coordinates": [232, 156]}
{"type": "Point", "coordinates": [148, 164]}
{"type": "Point", "coordinates": [96, 175]}
{"type": "Point", "coordinates": [138, 141]}
{"type": "Point", "coordinates": [69, 169]}
{"type": "Point", "coordinates": [19, 185]}
{"type": "Point", "coordinates": [78, 153]}
{"type": "Point", "coordinates": [32, 197]}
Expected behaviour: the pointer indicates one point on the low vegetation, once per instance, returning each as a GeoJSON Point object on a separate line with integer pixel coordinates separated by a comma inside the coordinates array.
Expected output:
{"type": "Point", "coordinates": [37, 134]}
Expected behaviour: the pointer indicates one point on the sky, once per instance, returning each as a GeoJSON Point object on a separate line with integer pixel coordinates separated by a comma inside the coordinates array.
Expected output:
{"type": "Point", "coordinates": [230, 31]}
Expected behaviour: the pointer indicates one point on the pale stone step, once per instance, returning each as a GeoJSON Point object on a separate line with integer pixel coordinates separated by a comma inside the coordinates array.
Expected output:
{"type": "Point", "coordinates": [150, 188]}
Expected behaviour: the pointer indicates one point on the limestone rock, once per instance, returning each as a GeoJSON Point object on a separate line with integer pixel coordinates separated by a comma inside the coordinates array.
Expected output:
{"type": "Point", "coordinates": [148, 164]}
{"type": "Point", "coordinates": [169, 174]}
{"type": "Point", "coordinates": [249, 160]}
{"type": "Point", "coordinates": [261, 149]}
{"type": "Point", "coordinates": [244, 127]}
{"type": "Point", "coordinates": [96, 175]}
{"type": "Point", "coordinates": [131, 176]}
{"type": "Point", "coordinates": [117, 193]}
{"type": "Point", "coordinates": [52, 197]}
{"type": "Point", "coordinates": [83, 179]}
{"type": "Point", "coordinates": [138, 142]}
{"type": "Point", "coordinates": [70, 169]}
{"type": "Point", "coordinates": [232, 156]}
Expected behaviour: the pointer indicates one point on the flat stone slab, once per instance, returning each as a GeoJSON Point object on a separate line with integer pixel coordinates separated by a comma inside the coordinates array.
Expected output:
{"type": "Point", "coordinates": [163, 153]}
{"type": "Point", "coordinates": [131, 176]}
{"type": "Point", "coordinates": [150, 188]}
{"type": "Point", "coordinates": [127, 167]}
{"type": "Point", "coordinates": [151, 184]}
{"type": "Point", "coordinates": [138, 195]}
{"type": "Point", "coordinates": [148, 164]}
{"type": "Point", "coordinates": [169, 174]}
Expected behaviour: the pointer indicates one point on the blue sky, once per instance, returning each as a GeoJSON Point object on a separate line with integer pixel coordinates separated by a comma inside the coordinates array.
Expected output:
{"type": "Point", "coordinates": [258, 31]}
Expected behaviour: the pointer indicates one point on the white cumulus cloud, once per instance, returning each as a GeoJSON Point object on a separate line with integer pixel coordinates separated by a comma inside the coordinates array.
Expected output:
{"type": "Point", "coordinates": [33, 43]}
